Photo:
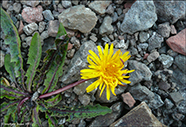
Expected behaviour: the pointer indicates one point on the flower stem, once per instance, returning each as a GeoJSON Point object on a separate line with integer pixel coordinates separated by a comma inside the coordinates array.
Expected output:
{"type": "Point", "coordinates": [62, 89]}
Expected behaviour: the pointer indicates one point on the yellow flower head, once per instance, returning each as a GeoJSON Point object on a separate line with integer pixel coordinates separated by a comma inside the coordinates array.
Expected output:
{"type": "Point", "coordinates": [108, 68]}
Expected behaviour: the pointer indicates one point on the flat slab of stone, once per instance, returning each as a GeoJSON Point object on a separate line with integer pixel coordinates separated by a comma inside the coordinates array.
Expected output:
{"type": "Point", "coordinates": [140, 116]}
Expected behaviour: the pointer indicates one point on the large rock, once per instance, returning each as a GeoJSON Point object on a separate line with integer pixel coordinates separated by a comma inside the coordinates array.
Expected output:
{"type": "Point", "coordinates": [140, 16]}
{"type": "Point", "coordinates": [78, 62]}
{"type": "Point", "coordinates": [78, 18]}
{"type": "Point", "coordinates": [142, 72]}
{"type": "Point", "coordinates": [178, 42]}
{"type": "Point", "coordinates": [99, 6]}
{"type": "Point", "coordinates": [170, 11]}
{"type": "Point", "coordinates": [140, 116]}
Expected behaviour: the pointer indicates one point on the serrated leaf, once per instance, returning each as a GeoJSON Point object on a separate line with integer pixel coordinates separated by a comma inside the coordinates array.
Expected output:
{"type": "Point", "coordinates": [35, 117]}
{"type": "Point", "coordinates": [4, 106]}
{"type": "Point", "coordinates": [11, 113]}
{"type": "Point", "coordinates": [56, 66]}
{"type": "Point", "coordinates": [82, 112]}
{"type": "Point", "coordinates": [53, 101]}
{"type": "Point", "coordinates": [10, 92]}
{"type": "Point", "coordinates": [34, 57]}
{"type": "Point", "coordinates": [12, 39]}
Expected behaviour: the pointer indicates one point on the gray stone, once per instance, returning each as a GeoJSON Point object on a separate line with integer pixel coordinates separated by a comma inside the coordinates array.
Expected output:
{"type": "Point", "coordinates": [180, 61]}
{"type": "Point", "coordinates": [30, 3]}
{"type": "Point", "coordinates": [82, 123]}
{"type": "Point", "coordinates": [143, 36]}
{"type": "Point", "coordinates": [164, 29]}
{"type": "Point", "coordinates": [164, 85]}
{"type": "Point", "coordinates": [163, 74]}
{"type": "Point", "coordinates": [133, 51]}
{"type": "Point", "coordinates": [141, 93]}
{"type": "Point", "coordinates": [75, 2]}
{"type": "Point", "coordinates": [115, 17]}
{"type": "Point", "coordinates": [170, 11]}
{"type": "Point", "coordinates": [78, 18]}
{"type": "Point", "coordinates": [93, 38]}
{"type": "Point", "coordinates": [2, 55]}
{"type": "Point", "coordinates": [108, 119]}
{"type": "Point", "coordinates": [84, 99]}
{"type": "Point", "coordinates": [78, 62]}
{"type": "Point", "coordinates": [156, 102]}
{"type": "Point", "coordinates": [66, 3]}
{"type": "Point", "coordinates": [76, 42]}
{"type": "Point", "coordinates": [44, 35]}
{"type": "Point", "coordinates": [122, 44]}
{"type": "Point", "coordinates": [30, 28]}
{"type": "Point", "coordinates": [155, 41]}
{"type": "Point", "coordinates": [110, 10]}
{"type": "Point", "coordinates": [143, 46]}
{"type": "Point", "coordinates": [70, 53]}
{"type": "Point", "coordinates": [178, 116]}
{"type": "Point", "coordinates": [17, 7]}
{"type": "Point", "coordinates": [140, 116]}
{"type": "Point", "coordinates": [41, 26]}
{"type": "Point", "coordinates": [142, 72]}
{"type": "Point", "coordinates": [176, 97]}
{"type": "Point", "coordinates": [166, 60]}
{"type": "Point", "coordinates": [81, 88]}
{"type": "Point", "coordinates": [28, 40]}
{"type": "Point", "coordinates": [99, 6]}
{"type": "Point", "coordinates": [139, 17]}
{"type": "Point", "coordinates": [48, 15]}
{"type": "Point", "coordinates": [106, 27]}
{"type": "Point", "coordinates": [168, 104]}
{"type": "Point", "coordinates": [103, 98]}
{"type": "Point", "coordinates": [181, 107]}
{"type": "Point", "coordinates": [152, 56]}
{"type": "Point", "coordinates": [172, 53]}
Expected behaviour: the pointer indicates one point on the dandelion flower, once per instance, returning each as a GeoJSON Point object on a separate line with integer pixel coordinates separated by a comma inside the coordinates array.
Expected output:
{"type": "Point", "coordinates": [108, 68]}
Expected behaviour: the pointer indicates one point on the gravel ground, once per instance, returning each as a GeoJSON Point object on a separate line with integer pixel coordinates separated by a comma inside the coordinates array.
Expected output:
{"type": "Point", "coordinates": [153, 32]}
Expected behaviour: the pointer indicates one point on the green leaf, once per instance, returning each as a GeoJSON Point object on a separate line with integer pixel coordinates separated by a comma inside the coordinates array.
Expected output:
{"type": "Point", "coordinates": [12, 39]}
{"type": "Point", "coordinates": [11, 113]}
{"type": "Point", "coordinates": [53, 101]}
{"type": "Point", "coordinates": [10, 92]}
{"type": "Point", "coordinates": [61, 31]}
{"type": "Point", "coordinates": [56, 66]}
{"type": "Point", "coordinates": [9, 66]}
{"type": "Point", "coordinates": [34, 57]}
{"type": "Point", "coordinates": [35, 117]}
{"type": "Point", "coordinates": [82, 112]}
{"type": "Point", "coordinates": [4, 106]}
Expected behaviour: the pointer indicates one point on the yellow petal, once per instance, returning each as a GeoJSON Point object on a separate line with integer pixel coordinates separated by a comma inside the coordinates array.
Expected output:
{"type": "Point", "coordinates": [108, 92]}
{"type": "Point", "coordinates": [91, 61]}
{"type": "Point", "coordinates": [102, 90]}
{"type": "Point", "coordinates": [113, 90]}
{"type": "Point", "coordinates": [100, 52]}
{"type": "Point", "coordinates": [95, 58]}
{"type": "Point", "coordinates": [92, 86]}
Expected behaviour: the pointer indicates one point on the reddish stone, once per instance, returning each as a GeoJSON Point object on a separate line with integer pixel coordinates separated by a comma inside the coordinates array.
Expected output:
{"type": "Point", "coordinates": [30, 14]}
{"type": "Point", "coordinates": [53, 28]}
{"type": "Point", "coordinates": [129, 4]}
{"type": "Point", "coordinates": [69, 46]}
{"type": "Point", "coordinates": [178, 43]}
{"type": "Point", "coordinates": [145, 56]}
{"type": "Point", "coordinates": [20, 30]}
{"type": "Point", "coordinates": [78, 36]}
{"type": "Point", "coordinates": [164, 85]}
{"type": "Point", "coordinates": [173, 30]}
{"type": "Point", "coordinates": [128, 99]}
